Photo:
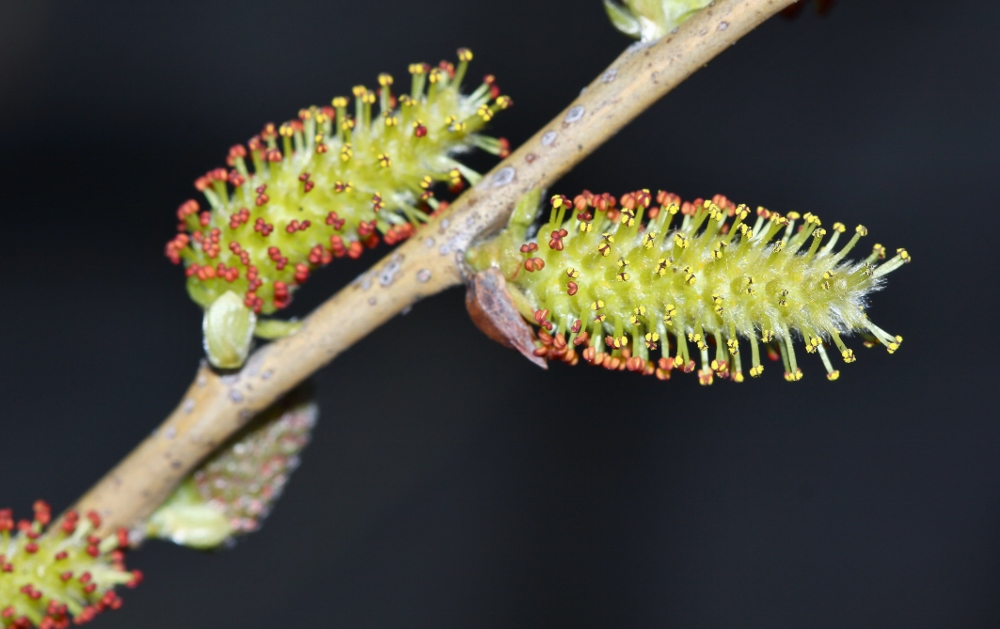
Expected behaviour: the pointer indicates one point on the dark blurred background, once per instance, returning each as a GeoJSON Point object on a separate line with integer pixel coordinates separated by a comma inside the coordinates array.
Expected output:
{"type": "Point", "coordinates": [451, 483]}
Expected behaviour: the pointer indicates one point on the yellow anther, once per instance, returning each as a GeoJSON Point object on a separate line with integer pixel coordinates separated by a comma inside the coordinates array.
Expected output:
{"type": "Point", "coordinates": [767, 336]}
{"type": "Point", "coordinates": [819, 232]}
{"type": "Point", "coordinates": [503, 102]}
{"type": "Point", "coordinates": [892, 347]}
{"type": "Point", "coordinates": [346, 153]}
{"type": "Point", "coordinates": [586, 227]}
{"type": "Point", "coordinates": [647, 239]}
{"type": "Point", "coordinates": [848, 355]}
{"type": "Point", "coordinates": [426, 182]}
{"type": "Point", "coordinates": [391, 121]}
{"type": "Point", "coordinates": [734, 346]}
{"type": "Point", "coordinates": [742, 212]}
{"type": "Point", "coordinates": [359, 91]}
{"type": "Point", "coordinates": [339, 101]}
{"type": "Point", "coordinates": [793, 216]}
{"type": "Point", "coordinates": [879, 251]}
{"type": "Point", "coordinates": [285, 130]}
{"type": "Point", "coordinates": [572, 273]}
{"type": "Point", "coordinates": [668, 313]}
{"type": "Point", "coordinates": [450, 120]}
{"type": "Point", "coordinates": [862, 230]}
{"type": "Point", "coordinates": [840, 228]}
{"type": "Point", "coordinates": [464, 54]}
{"type": "Point", "coordinates": [690, 279]}
{"type": "Point", "coordinates": [436, 75]}
{"type": "Point", "coordinates": [680, 241]}
{"type": "Point", "coordinates": [458, 127]}
{"type": "Point", "coordinates": [417, 68]}
{"type": "Point", "coordinates": [717, 254]}
{"type": "Point", "coordinates": [485, 113]}
{"type": "Point", "coordinates": [557, 201]}
{"type": "Point", "coordinates": [756, 371]}
{"type": "Point", "coordinates": [673, 209]}
{"type": "Point", "coordinates": [778, 246]}
{"type": "Point", "coordinates": [600, 318]}
{"type": "Point", "coordinates": [384, 160]}
{"type": "Point", "coordinates": [384, 79]}
{"type": "Point", "coordinates": [640, 311]}
{"type": "Point", "coordinates": [623, 277]}
{"type": "Point", "coordinates": [597, 305]}
{"type": "Point", "coordinates": [652, 337]}
{"type": "Point", "coordinates": [903, 254]}
{"type": "Point", "coordinates": [628, 217]}
{"type": "Point", "coordinates": [622, 263]}
{"type": "Point", "coordinates": [661, 267]}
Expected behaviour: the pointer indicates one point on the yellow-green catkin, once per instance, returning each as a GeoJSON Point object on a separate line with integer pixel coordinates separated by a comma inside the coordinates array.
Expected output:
{"type": "Point", "coordinates": [52, 576]}
{"type": "Point", "coordinates": [330, 183]}
{"type": "Point", "coordinates": [651, 285]}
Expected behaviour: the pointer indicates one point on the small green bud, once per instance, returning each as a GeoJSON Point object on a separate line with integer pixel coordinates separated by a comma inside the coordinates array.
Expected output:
{"type": "Point", "coordinates": [228, 327]}
{"type": "Point", "coordinates": [186, 519]}
{"type": "Point", "coordinates": [649, 20]}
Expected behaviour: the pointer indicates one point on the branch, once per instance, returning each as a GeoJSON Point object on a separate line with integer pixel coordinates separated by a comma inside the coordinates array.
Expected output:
{"type": "Point", "coordinates": [216, 405]}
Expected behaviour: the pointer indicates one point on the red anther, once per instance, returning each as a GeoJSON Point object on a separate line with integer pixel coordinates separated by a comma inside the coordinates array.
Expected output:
{"type": "Point", "coordinates": [336, 221]}
{"type": "Point", "coordinates": [534, 264]}
{"type": "Point", "coordinates": [329, 112]}
{"type": "Point", "coordinates": [237, 151]}
{"type": "Point", "coordinates": [89, 588]}
{"type": "Point", "coordinates": [137, 577]}
{"type": "Point", "coordinates": [61, 555]}
{"type": "Point", "coordinates": [420, 131]}
{"type": "Point", "coordinates": [355, 250]}
{"type": "Point", "coordinates": [688, 208]}
{"type": "Point", "coordinates": [7, 612]}
{"type": "Point", "coordinates": [93, 551]}
{"type": "Point", "coordinates": [581, 339]}
{"type": "Point", "coordinates": [304, 177]}
{"type": "Point", "coordinates": [261, 199]}
{"type": "Point", "coordinates": [377, 203]}
{"type": "Point", "coordinates": [7, 567]}
{"type": "Point", "coordinates": [541, 352]}
{"type": "Point", "coordinates": [448, 67]}
{"type": "Point", "coordinates": [504, 148]}
{"type": "Point", "coordinates": [204, 219]}
{"type": "Point", "coordinates": [254, 143]}
{"type": "Point", "coordinates": [301, 273]}
{"type": "Point", "coordinates": [261, 189]}
{"type": "Point", "coordinates": [43, 512]}
{"type": "Point", "coordinates": [217, 174]}
{"type": "Point", "coordinates": [272, 155]}
{"type": "Point", "coordinates": [296, 125]}
{"type": "Point", "coordinates": [636, 364]}
{"type": "Point", "coordinates": [576, 326]}
{"type": "Point", "coordinates": [31, 548]}
{"type": "Point", "coordinates": [201, 184]}
{"type": "Point", "coordinates": [337, 246]}
{"type": "Point", "coordinates": [571, 289]}
{"type": "Point", "coordinates": [643, 198]}
{"type": "Point", "coordinates": [292, 227]}
{"type": "Point", "coordinates": [236, 179]}
{"type": "Point", "coordinates": [269, 132]}
{"type": "Point", "coordinates": [321, 148]}
{"type": "Point", "coordinates": [309, 185]}
{"type": "Point", "coordinates": [366, 229]}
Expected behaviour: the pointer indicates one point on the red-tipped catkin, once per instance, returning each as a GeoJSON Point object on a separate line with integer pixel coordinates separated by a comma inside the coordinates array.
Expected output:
{"type": "Point", "coordinates": [49, 578]}
{"type": "Point", "coordinates": [650, 284]}
{"type": "Point", "coordinates": [331, 183]}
